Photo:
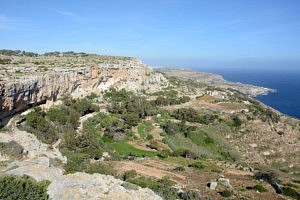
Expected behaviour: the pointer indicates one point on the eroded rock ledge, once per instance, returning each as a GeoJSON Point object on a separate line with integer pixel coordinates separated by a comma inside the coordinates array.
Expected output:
{"type": "Point", "coordinates": [22, 87]}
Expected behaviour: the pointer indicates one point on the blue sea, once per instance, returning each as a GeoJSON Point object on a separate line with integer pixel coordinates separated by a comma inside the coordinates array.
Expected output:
{"type": "Point", "coordinates": [285, 81]}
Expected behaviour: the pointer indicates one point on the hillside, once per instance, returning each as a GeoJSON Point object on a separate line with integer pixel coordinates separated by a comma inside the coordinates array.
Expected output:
{"type": "Point", "coordinates": [83, 126]}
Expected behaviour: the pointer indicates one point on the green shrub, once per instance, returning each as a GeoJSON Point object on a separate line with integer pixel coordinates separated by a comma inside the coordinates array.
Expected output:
{"type": "Point", "coordinates": [179, 169]}
{"type": "Point", "coordinates": [197, 165]}
{"type": "Point", "coordinates": [161, 187]}
{"type": "Point", "coordinates": [296, 181]}
{"type": "Point", "coordinates": [190, 195]}
{"type": "Point", "coordinates": [13, 187]}
{"type": "Point", "coordinates": [37, 124]}
{"type": "Point", "coordinates": [226, 193]}
{"type": "Point", "coordinates": [184, 153]}
{"type": "Point", "coordinates": [12, 148]}
{"type": "Point", "coordinates": [287, 191]}
{"type": "Point", "coordinates": [128, 175]}
{"type": "Point", "coordinates": [149, 137]}
{"type": "Point", "coordinates": [237, 122]}
{"type": "Point", "coordinates": [77, 162]}
{"type": "Point", "coordinates": [92, 96]}
{"type": "Point", "coordinates": [164, 154]}
{"type": "Point", "coordinates": [187, 114]}
{"type": "Point", "coordinates": [260, 188]}
{"type": "Point", "coordinates": [101, 168]}
{"type": "Point", "coordinates": [171, 128]}
{"type": "Point", "coordinates": [84, 106]}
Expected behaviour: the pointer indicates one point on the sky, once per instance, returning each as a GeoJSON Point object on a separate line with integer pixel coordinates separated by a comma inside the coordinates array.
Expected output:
{"type": "Point", "coordinates": [178, 33]}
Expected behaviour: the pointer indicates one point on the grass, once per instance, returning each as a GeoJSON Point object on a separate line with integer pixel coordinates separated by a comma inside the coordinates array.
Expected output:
{"type": "Point", "coordinates": [185, 162]}
{"type": "Point", "coordinates": [202, 147]}
{"type": "Point", "coordinates": [126, 149]}
{"type": "Point", "coordinates": [141, 130]}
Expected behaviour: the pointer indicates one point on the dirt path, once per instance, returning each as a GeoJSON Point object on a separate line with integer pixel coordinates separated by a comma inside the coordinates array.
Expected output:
{"type": "Point", "coordinates": [149, 171]}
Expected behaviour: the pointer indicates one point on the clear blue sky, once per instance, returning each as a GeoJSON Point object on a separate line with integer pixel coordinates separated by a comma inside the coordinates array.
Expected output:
{"type": "Point", "coordinates": [207, 33]}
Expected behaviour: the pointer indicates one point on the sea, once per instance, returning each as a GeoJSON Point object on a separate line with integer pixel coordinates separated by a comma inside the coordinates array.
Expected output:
{"type": "Point", "coordinates": [285, 81]}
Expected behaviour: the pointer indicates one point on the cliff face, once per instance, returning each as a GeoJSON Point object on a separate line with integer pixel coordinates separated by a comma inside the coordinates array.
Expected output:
{"type": "Point", "coordinates": [29, 86]}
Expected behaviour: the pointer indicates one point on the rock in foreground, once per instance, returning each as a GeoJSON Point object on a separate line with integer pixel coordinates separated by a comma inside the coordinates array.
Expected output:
{"type": "Point", "coordinates": [95, 186]}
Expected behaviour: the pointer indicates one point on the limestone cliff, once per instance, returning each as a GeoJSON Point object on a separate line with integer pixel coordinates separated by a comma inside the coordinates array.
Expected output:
{"type": "Point", "coordinates": [23, 87]}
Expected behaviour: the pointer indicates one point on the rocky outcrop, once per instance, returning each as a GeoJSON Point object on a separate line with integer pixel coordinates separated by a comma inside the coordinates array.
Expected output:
{"type": "Point", "coordinates": [23, 87]}
{"type": "Point", "coordinates": [96, 186]}
{"type": "Point", "coordinates": [40, 168]}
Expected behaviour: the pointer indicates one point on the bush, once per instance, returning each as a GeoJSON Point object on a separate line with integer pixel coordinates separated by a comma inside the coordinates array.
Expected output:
{"type": "Point", "coordinates": [149, 137]}
{"type": "Point", "coordinates": [128, 175]}
{"type": "Point", "coordinates": [171, 128]}
{"type": "Point", "coordinates": [187, 114]}
{"type": "Point", "coordinates": [164, 154]}
{"type": "Point", "coordinates": [185, 153]}
{"type": "Point", "coordinates": [101, 168]}
{"type": "Point", "coordinates": [161, 187]}
{"type": "Point", "coordinates": [226, 193]}
{"type": "Point", "coordinates": [237, 122]}
{"type": "Point", "coordinates": [287, 191]}
{"type": "Point", "coordinates": [260, 188]}
{"type": "Point", "coordinates": [13, 187]}
{"type": "Point", "coordinates": [191, 195]}
{"type": "Point", "coordinates": [11, 148]}
{"type": "Point", "coordinates": [197, 165]}
{"type": "Point", "coordinates": [37, 124]}
{"type": "Point", "coordinates": [77, 162]}
{"type": "Point", "coordinates": [84, 106]}
{"type": "Point", "coordinates": [92, 96]}
{"type": "Point", "coordinates": [179, 169]}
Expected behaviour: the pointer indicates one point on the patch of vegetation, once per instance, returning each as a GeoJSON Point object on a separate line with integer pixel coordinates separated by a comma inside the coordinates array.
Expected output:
{"type": "Point", "coordinates": [236, 121]}
{"type": "Point", "coordinates": [37, 124]}
{"type": "Point", "coordinates": [12, 149]}
{"type": "Point", "coordinates": [92, 96]}
{"type": "Point", "coordinates": [117, 96]}
{"type": "Point", "coordinates": [165, 101]}
{"type": "Point", "coordinates": [101, 168]}
{"type": "Point", "coordinates": [190, 195]}
{"type": "Point", "coordinates": [129, 175]}
{"type": "Point", "coordinates": [265, 114]}
{"type": "Point", "coordinates": [179, 169]}
{"type": "Point", "coordinates": [141, 130]}
{"type": "Point", "coordinates": [226, 193]}
{"type": "Point", "coordinates": [5, 61]}
{"type": "Point", "coordinates": [197, 165]}
{"type": "Point", "coordinates": [191, 115]}
{"type": "Point", "coordinates": [291, 192]}
{"type": "Point", "coordinates": [193, 140]}
{"type": "Point", "coordinates": [126, 149]}
{"type": "Point", "coordinates": [260, 188]}
{"type": "Point", "coordinates": [296, 181]}
{"type": "Point", "coordinates": [47, 125]}
{"type": "Point", "coordinates": [162, 187]}
{"type": "Point", "coordinates": [167, 93]}
{"type": "Point", "coordinates": [13, 187]}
